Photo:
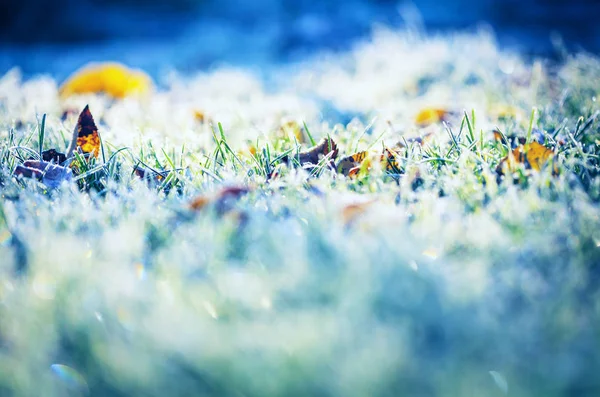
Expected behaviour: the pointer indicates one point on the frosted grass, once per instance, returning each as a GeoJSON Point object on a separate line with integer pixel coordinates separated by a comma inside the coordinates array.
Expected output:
{"type": "Point", "coordinates": [428, 292]}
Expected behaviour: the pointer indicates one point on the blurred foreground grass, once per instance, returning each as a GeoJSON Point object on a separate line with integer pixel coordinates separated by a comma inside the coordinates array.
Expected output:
{"type": "Point", "coordinates": [444, 280]}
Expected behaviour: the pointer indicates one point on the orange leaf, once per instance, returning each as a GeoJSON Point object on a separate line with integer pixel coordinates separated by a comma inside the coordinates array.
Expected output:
{"type": "Point", "coordinates": [537, 155]}
{"type": "Point", "coordinates": [113, 79]}
{"type": "Point", "coordinates": [390, 161]}
{"type": "Point", "coordinates": [85, 135]}
{"type": "Point", "coordinates": [533, 155]}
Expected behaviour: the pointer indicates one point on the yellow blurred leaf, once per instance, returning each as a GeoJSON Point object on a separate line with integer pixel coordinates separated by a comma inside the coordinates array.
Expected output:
{"type": "Point", "coordinates": [507, 112]}
{"type": "Point", "coordinates": [200, 116]}
{"type": "Point", "coordinates": [352, 211]}
{"type": "Point", "coordinates": [430, 116]}
{"type": "Point", "coordinates": [292, 129]}
{"type": "Point", "coordinates": [113, 79]}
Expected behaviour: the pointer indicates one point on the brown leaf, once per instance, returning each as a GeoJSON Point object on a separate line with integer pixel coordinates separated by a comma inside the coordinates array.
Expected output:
{"type": "Point", "coordinates": [49, 174]}
{"type": "Point", "coordinates": [85, 135]}
{"type": "Point", "coordinates": [53, 156]}
{"type": "Point", "coordinates": [313, 155]}
{"type": "Point", "coordinates": [151, 175]}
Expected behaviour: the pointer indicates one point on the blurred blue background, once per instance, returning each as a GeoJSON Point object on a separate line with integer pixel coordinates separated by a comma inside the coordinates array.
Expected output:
{"type": "Point", "coordinates": [58, 36]}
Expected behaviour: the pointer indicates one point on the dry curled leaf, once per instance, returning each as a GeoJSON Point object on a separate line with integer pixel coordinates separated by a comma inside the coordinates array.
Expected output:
{"type": "Point", "coordinates": [85, 135]}
{"type": "Point", "coordinates": [430, 116]}
{"type": "Point", "coordinates": [326, 147]}
{"type": "Point", "coordinates": [49, 174]}
{"type": "Point", "coordinates": [111, 78]}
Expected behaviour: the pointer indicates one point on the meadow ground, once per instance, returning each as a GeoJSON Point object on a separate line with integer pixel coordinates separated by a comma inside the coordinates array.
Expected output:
{"type": "Point", "coordinates": [435, 277]}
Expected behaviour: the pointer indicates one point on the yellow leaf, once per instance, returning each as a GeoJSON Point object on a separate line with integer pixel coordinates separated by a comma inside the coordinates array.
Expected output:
{"type": "Point", "coordinates": [292, 129]}
{"type": "Point", "coordinates": [430, 116]}
{"type": "Point", "coordinates": [111, 78]}
{"type": "Point", "coordinates": [533, 155]}
{"type": "Point", "coordinates": [537, 155]}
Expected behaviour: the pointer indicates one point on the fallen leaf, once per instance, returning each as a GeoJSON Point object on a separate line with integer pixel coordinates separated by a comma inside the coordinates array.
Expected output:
{"type": "Point", "coordinates": [49, 174]}
{"type": "Point", "coordinates": [111, 78]}
{"type": "Point", "coordinates": [152, 176]}
{"type": "Point", "coordinates": [349, 163]}
{"type": "Point", "coordinates": [326, 147]}
{"type": "Point", "coordinates": [85, 135]}
{"type": "Point", "coordinates": [533, 156]}
{"type": "Point", "coordinates": [430, 116]}
{"type": "Point", "coordinates": [53, 156]}
{"type": "Point", "coordinates": [353, 164]}
{"type": "Point", "coordinates": [389, 158]}
{"type": "Point", "coordinates": [537, 155]}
